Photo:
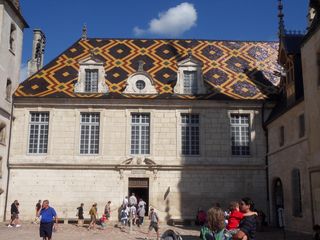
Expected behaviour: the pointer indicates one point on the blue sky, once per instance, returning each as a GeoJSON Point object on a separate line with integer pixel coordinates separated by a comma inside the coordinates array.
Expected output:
{"type": "Point", "coordinates": [62, 20]}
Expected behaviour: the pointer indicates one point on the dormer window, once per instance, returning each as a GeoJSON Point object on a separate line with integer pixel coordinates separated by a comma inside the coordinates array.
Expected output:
{"type": "Point", "coordinates": [91, 77]}
{"type": "Point", "coordinates": [91, 84]}
{"type": "Point", "coordinates": [140, 82]}
{"type": "Point", "coordinates": [190, 80]}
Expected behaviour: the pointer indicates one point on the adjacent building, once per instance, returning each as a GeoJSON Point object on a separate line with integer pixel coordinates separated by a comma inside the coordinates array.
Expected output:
{"type": "Point", "coordinates": [12, 25]}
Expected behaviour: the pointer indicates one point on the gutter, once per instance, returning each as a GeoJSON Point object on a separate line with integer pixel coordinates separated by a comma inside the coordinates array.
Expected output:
{"type": "Point", "coordinates": [8, 166]}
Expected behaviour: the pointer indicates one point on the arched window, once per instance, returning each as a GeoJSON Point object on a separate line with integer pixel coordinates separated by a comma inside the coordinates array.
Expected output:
{"type": "Point", "coordinates": [13, 32]}
{"type": "Point", "coordinates": [296, 193]}
{"type": "Point", "coordinates": [8, 90]}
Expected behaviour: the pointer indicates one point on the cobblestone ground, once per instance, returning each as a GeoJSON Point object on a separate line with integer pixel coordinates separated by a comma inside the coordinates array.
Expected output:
{"type": "Point", "coordinates": [71, 232]}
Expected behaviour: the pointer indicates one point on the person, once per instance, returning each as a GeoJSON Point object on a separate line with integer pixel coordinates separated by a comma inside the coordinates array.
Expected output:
{"type": "Point", "coordinates": [107, 210]}
{"type": "Point", "coordinates": [38, 208]}
{"type": "Point", "coordinates": [142, 203]}
{"type": "Point", "coordinates": [80, 215]}
{"type": "Point", "coordinates": [154, 222]}
{"type": "Point", "coordinates": [133, 214]}
{"type": "Point", "coordinates": [247, 226]}
{"type": "Point", "coordinates": [125, 202]}
{"type": "Point", "coordinates": [235, 217]}
{"type": "Point", "coordinates": [47, 215]}
{"type": "Point", "coordinates": [14, 222]}
{"type": "Point", "coordinates": [124, 215]}
{"type": "Point", "coordinates": [93, 216]}
{"type": "Point", "coordinates": [133, 200]}
{"type": "Point", "coordinates": [103, 221]}
{"type": "Point", "coordinates": [201, 217]}
{"type": "Point", "coordinates": [141, 213]}
{"type": "Point", "coordinates": [216, 225]}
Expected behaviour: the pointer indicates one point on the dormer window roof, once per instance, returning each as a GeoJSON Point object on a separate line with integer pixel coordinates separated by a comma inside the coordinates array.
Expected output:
{"type": "Point", "coordinates": [91, 77]}
{"type": "Point", "coordinates": [190, 79]}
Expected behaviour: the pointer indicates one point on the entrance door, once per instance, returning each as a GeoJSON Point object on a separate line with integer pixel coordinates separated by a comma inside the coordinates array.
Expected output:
{"type": "Point", "coordinates": [140, 187]}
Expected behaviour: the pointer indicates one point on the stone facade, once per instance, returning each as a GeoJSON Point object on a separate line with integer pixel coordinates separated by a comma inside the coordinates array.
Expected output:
{"type": "Point", "coordinates": [11, 34]}
{"type": "Point", "coordinates": [310, 64]}
{"type": "Point", "coordinates": [282, 161]}
{"type": "Point", "coordinates": [178, 185]}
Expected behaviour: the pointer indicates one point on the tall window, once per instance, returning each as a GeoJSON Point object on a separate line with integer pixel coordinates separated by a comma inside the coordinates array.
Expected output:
{"type": "Point", "coordinates": [190, 82]}
{"type": "Point", "coordinates": [190, 136]}
{"type": "Point", "coordinates": [240, 134]}
{"type": "Point", "coordinates": [89, 127]}
{"type": "Point", "coordinates": [281, 136]}
{"type": "Point", "coordinates": [2, 133]}
{"type": "Point", "coordinates": [8, 90]}
{"type": "Point", "coordinates": [140, 133]}
{"type": "Point", "coordinates": [91, 83]}
{"type": "Point", "coordinates": [296, 193]}
{"type": "Point", "coordinates": [302, 128]}
{"type": "Point", "coordinates": [12, 38]}
{"type": "Point", "coordinates": [38, 132]}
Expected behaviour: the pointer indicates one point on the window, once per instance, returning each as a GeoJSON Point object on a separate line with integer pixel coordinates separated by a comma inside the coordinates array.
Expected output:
{"type": "Point", "coordinates": [190, 82]}
{"type": "Point", "coordinates": [38, 132]}
{"type": "Point", "coordinates": [140, 134]}
{"type": "Point", "coordinates": [296, 193]}
{"type": "Point", "coordinates": [281, 136]}
{"type": "Point", "coordinates": [140, 84]}
{"type": "Point", "coordinates": [91, 81]}
{"type": "Point", "coordinates": [12, 39]}
{"type": "Point", "coordinates": [2, 133]}
{"type": "Point", "coordinates": [89, 127]}
{"type": "Point", "coordinates": [240, 134]}
{"type": "Point", "coordinates": [8, 90]}
{"type": "Point", "coordinates": [190, 136]}
{"type": "Point", "coordinates": [302, 128]}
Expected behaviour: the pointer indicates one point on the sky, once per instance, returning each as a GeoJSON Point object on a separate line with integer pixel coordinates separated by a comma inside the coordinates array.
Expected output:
{"type": "Point", "coordinates": [62, 20]}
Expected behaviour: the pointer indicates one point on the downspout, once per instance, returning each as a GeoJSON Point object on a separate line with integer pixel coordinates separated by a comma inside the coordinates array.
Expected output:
{"type": "Point", "coordinates": [266, 157]}
{"type": "Point", "coordinates": [8, 157]}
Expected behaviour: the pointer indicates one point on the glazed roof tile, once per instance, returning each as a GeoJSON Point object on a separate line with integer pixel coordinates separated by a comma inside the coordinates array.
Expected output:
{"type": "Point", "coordinates": [231, 69]}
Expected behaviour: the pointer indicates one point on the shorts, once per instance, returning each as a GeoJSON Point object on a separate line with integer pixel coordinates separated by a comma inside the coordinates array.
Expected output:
{"type": "Point", "coordinates": [93, 218]}
{"type": "Point", "coordinates": [46, 229]}
{"type": "Point", "coordinates": [153, 225]}
{"type": "Point", "coordinates": [14, 216]}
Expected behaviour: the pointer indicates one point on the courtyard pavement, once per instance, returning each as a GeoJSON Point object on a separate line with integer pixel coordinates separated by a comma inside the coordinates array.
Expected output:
{"type": "Point", "coordinates": [30, 231]}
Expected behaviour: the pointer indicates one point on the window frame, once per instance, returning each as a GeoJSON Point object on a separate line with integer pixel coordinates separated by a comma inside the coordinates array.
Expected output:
{"type": "Point", "coordinates": [140, 124]}
{"type": "Point", "coordinates": [193, 88]}
{"type": "Point", "coordinates": [30, 123]}
{"type": "Point", "coordinates": [89, 86]}
{"type": "Point", "coordinates": [91, 125]}
{"type": "Point", "coordinates": [189, 125]}
{"type": "Point", "coordinates": [241, 152]}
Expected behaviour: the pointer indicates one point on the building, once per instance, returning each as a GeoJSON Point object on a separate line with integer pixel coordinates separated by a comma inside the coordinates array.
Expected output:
{"type": "Point", "coordinates": [178, 122]}
{"type": "Point", "coordinates": [12, 25]}
{"type": "Point", "coordinates": [293, 142]}
{"type": "Point", "coordinates": [310, 49]}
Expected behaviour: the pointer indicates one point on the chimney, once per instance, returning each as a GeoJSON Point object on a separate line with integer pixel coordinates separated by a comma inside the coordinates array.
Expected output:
{"type": "Point", "coordinates": [38, 45]}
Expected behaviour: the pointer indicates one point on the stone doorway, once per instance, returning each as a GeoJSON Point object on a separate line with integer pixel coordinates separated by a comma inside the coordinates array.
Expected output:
{"type": "Point", "coordinates": [140, 187]}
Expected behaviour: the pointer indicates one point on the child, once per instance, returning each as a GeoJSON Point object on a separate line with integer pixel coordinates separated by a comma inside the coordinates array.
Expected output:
{"type": "Point", "coordinates": [103, 221]}
{"type": "Point", "coordinates": [235, 217]}
{"type": "Point", "coordinates": [124, 216]}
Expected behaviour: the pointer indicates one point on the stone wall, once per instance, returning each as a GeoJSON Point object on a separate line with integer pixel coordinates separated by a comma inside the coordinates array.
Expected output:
{"type": "Point", "coordinates": [68, 178]}
{"type": "Point", "coordinates": [282, 160]}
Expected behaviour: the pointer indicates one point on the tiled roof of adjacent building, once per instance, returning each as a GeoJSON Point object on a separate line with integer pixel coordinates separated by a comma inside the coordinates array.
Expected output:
{"type": "Point", "coordinates": [231, 69]}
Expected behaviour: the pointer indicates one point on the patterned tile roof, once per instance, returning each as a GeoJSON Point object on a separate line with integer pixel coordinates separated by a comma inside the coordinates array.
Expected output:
{"type": "Point", "coordinates": [231, 69]}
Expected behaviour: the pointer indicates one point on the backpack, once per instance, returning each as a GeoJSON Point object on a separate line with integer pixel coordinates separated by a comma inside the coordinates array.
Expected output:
{"type": "Point", "coordinates": [207, 234]}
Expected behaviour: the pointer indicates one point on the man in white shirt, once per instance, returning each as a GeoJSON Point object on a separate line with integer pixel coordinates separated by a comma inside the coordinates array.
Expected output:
{"type": "Point", "coordinates": [133, 200]}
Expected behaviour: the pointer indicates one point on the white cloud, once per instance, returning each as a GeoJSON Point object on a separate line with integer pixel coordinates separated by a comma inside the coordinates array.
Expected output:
{"type": "Point", "coordinates": [173, 23]}
{"type": "Point", "coordinates": [23, 72]}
